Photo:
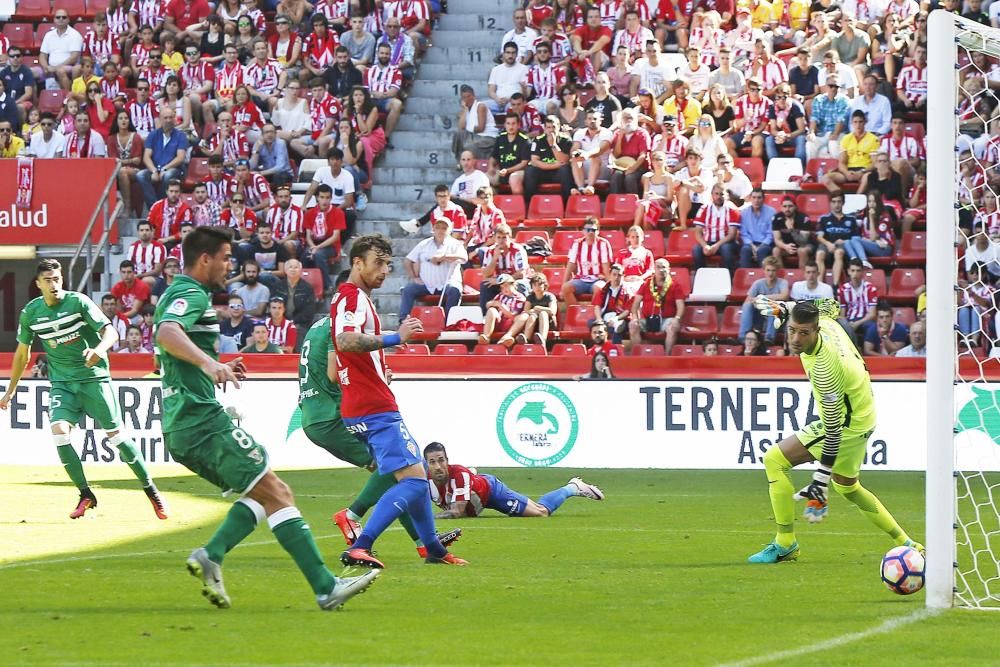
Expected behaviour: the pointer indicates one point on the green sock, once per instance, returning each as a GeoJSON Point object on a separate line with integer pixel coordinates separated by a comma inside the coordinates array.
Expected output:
{"type": "Point", "coordinates": [133, 459]}
{"type": "Point", "coordinates": [779, 487]}
{"type": "Point", "coordinates": [294, 535]}
{"type": "Point", "coordinates": [407, 523]}
{"type": "Point", "coordinates": [71, 462]}
{"type": "Point", "coordinates": [373, 489]}
{"type": "Point", "coordinates": [238, 524]}
{"type": "Point", "coordinates": [873, 509]}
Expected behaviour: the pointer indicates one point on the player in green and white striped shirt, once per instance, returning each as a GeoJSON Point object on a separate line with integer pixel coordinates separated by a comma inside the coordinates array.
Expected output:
{"type": "Point", "coordinates": [76, 336]}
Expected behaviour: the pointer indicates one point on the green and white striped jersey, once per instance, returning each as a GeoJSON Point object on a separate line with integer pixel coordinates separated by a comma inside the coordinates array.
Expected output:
{"type": "Point", "coordinates": [65, 330]}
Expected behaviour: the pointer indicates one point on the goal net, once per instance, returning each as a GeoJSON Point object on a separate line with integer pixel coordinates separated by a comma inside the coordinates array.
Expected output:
{"type": "Point", "coordinates": [963, 363]}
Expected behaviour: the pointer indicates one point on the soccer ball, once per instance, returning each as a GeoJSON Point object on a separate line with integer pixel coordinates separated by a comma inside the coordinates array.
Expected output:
{"type": "Point", "coordinates": [903, 570]}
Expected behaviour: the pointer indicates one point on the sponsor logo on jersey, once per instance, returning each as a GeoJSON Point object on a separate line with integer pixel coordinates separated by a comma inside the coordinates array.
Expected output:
{"type": "Point", "coordinates": [537, 424]}
{"type": "Point", "coordinates": [178, 307]}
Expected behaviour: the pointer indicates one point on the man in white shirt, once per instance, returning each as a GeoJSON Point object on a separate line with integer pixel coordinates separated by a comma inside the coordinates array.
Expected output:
{"type": "Point", "coordinates": [434, 266]}
{"type": "Point", "coordinates": [469, 181]}
{"type": "Point", "coordinates": [60, 51]}
{"type": "Point", "coordinates": [653, 73]}
{"type": "Point", "coordinates": [591, 147]}
{"type": "Point", "coordinates": [505, 79]}
{"type": "Point", "coordinates": [733, 179]}
{"type": "Point", "coordinates": [341, 182]}
{"type": "Point", "coordinates": [522, 35]}
{"type": "Point", "coordinates": [48, 143]}
{"type": "Point", "coordinates": [918, 341]}
{"type": "Point", "coordinates": [811, 287]}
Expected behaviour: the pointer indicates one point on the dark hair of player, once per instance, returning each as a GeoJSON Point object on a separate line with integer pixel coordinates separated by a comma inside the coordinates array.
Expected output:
{"type": "Point", "coordinates": [324, 189]}
{"type": "Point", "coordinates": [204, 240]}
{"type": "Point", "coordinates": [48, 265]}
{"type": "Point", "coordinates": [805, 312]}
{"type": "Point", "coordinates": [375, 242]}
{"type": "Point", "coordinates": [126, 264]}
{"type": "Point", "coordinates": [435, 447]}
{"type": "Point", "coordinates": [144, 223]}
{"type": "Point", "coordinates": [441, 189]}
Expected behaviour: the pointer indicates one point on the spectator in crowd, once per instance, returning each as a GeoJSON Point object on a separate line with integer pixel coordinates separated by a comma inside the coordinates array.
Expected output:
{"type": "Point", "coordinates": [484, 222]}
{"type": "Point", "coordinates": [771, 286]}
{"type": "Point", "coordinates": [171, 267]}
{"type": "Point", "coordinates": [590, 153]}
{"type": "Point", "coordinates": [324, 110]}
{"type": "Point", "coordinates": [635, 261]}
{"type": "Point", "coordinates": [240, 219]}
{"type": "Point", "coordinates": [600, 368]}
{"type": "Point", "coordinates": [787, 125]}
{"type": "Point", "coordinates": [528, 117]}
{"type": "Point", "coordinates": [511, 153]}
{"type": "Point", "coordinates": [544, 80]}
{"type": "Point", "coordinates": [753, 344]}
{"type": "Point", "coordinates": [629, 152]}
{"type": "Point", "coordinates": [549, 162]}
{"type": "Point", "coordinates": [109, 306]}
{"type": "Point", "coordinates": [260, 343]}
{"type": "Point", "coordinates": [49, 143]}
{"type": "Point", "coordinates": [401, 45]}
{"type": "Point", "coordinates": [235, 331]}
{"type": "Point", "coordinates": [976, 300]}
{"type": "Point", "coordinates": [886, 337]}
{"type": "Point", "coordinates": [750, 119]}
{"type": "Point", "coordinates": [18, 80]}
{"type": "Point", "coordinates": [325, 226]}
{"type": "Point", "coordinates": [811, 287]}
{"type": "Point", "coordinates": [9, 111]}
{"type": "Point", "coordinates": [255, 295]}
{"type": "Point", "coordinates": [875, 105]}
{"type": "Point", "coordinates": [434, 267]}
{"type": "Point", "coordinates": [164, 157]}
{"type": "Point", "coordinates": [146, 254]}
{"type": "Point", "coordinates": [712, 146]}
{"type": "Point", "coordinates": [650, 114]}
{"type": "Point", "coordinates": [658, 307]}
{"type": "Point", "coordinates": [918, 341]}
{"type": "Point", "coordinates": [589, 263]}
{"type": "Point", "coordinates": [876, 232]}
{"type": "Point", "coordinates": [984, 248]}
{"type": "Point", "coordinates": [343, 75]}
{"type": "Point", "coordinates": [204, 211]}
{"type": "Point", "coordinates": [539, 314]}
{"type": "Point", "coordinates": [384, 82]}
{"type": "Point", "coordinates": [716, 228]}
{"type": "Point", "coordinates": [341, 184]}
{"type": "Point", "coordinates": [592, 41]}
{"type": "Point", "coordinates": [60, 51]}
{"type": "Point", "coordinates": [673, 144]}
{"type": "Point", "coordinates": [522, 36]}
{"type": "Point", "coordinates": [793, 233]}
{"type": "Point", "coordinates": [11, 145]}
{"type": "Point", "coordinates": [504, 257]}
{"type": "Point", "coordinates": [885, 182]}
{"type": "Point", "coordinates": [657, 194]}
{"type": "Point", "coordinates": [505, 79]}
{"type": "Point", "coordinates": [732, 81]}
{"type": "Point", "coordinates": [734, 181]}
{"type": "Point", "coordinates": [475, 129]}
{"type": "Point", "coordinates": [133, 342]}
{"type": "Point", "coordinates": [359, 42]}
{"type": "Point", "coordinates": [694, 184]}
{"type": "Point", "coordinates": [604, 102]}
{"type": "Point", "coordinates": [84, 141]}
{"type": "Point", "coordinates": [857, 299]}
{"type": "Point", "coordinates": [911, 85]}
{"type": "Point", "coordinates": [652, 73]}
{"type": "Point", "coordinates": [297, 294]}
{"type": "Point", "coordinates": [453, 209]}
{"type": "Point", "coordinates": [711, 347]}
{"type": "Point", "coordinates": [756, 230]}
{"type": "Point", "coordinates": [280, 330]}
{"type": "Point", "coordinates": [146, 326]}
{"type": "Point", "coordinates": [832, 67]}
{"type": "Point", "coordinates": [905, 153]}
{"type": "Point", "coordinates": [176, 251]}
{"type": "Point", "coordinates": [131, 293]}
{"type": "Point", "coordinates": [826, 122]}
{"type": "Point", "coordinates": [834, 235]}
{"type": "Point", "coordinates": [269, 255]}
{"type": "Point", "coordinates": [686, 109]}
{"type": "Point", "coordinates": [167, 215]}
{"type": "Point", "coordinates": [803, 79]}
{"type": "Point", "coordinates": [501, 310]}
{"type": "Point", "coordinates": [611, 304]}
{"type": "Point", "coordinates": [127, 146]}
{"type": "Point", "coordinates": [269, 157]}
{"type": "Point", "coordinates": [254, 188]}
{"type": "Point", "coordinates": [100, 109]}
{"type": "Point", "coordinates": [857, 148]}
{"type": "Point", "coordinates": [599, 341]}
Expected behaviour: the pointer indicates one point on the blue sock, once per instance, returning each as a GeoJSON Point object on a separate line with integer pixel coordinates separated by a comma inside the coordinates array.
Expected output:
{"type": "Point", "coordinates": [422, 514]}
{"type": "Point", "coordinates": [409, 495]}
{"type": "Point", "coordinates": [553, 499]}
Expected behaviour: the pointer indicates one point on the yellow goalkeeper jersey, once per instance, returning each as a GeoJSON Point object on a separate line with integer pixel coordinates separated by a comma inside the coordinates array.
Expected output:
{"type": "Point", "coordinates": [839, 378]}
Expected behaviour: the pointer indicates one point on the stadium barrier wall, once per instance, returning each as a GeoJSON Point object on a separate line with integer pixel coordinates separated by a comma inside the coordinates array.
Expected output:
{"type": "Point", "coordinates": [710, 424]}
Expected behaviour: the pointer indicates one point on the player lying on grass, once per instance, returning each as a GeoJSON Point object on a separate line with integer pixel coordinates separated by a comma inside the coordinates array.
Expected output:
{"type": "Point", "coordinates": [842, 389]}
{"type": "Point", "coordinates": [77, 336]}
{"type": "Point", "coordinates": [319, 401]}
{"type": "Point", "coordinates": [200, 434]}
{"type": "Point", "coordinates": [463, 493]}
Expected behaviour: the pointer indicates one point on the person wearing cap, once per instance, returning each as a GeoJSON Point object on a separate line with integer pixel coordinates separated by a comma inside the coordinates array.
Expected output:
{"type": "Point", "coordinates": [280, 330]}
{"type": "Point", "coordinates": [671, 143]}
{"type": "Point", "coordinates": [857, 148]}
{"type": "Point", "coordinates": [750, 119]}
{"type": "Point", "coordinates": [434, 267]}
{"type": "Point", "coordinates": [658, 307]}
{"type": "Point", "coordinates": [826, 122]}
{"type": "Point", "coordinates": [590, 153]}
{"type": "Point", "coordinates": [501, 310]}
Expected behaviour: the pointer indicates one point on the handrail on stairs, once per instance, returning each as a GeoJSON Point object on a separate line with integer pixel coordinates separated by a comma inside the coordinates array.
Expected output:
{"type": "Point", "coordinates": [102, 245]}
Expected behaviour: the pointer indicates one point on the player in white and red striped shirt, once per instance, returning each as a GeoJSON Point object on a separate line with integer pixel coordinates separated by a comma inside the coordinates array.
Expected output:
{"type": "Point", "coordinates": [264, 76]}
{"type": "Point", "coordinates": [254, 187]}
{"type": "Point", "coordinates": [504, 256]}
{"type": "Point", "coordinates": [142, 109]}
{"type": "Point", "coordinates": [716, 227]}
{"type": "Point", "coordinates": [286, 219]}
{"type": "Point", "coordinates": [197, 80]}
{"type": "Point", "coordinates": [911, 84]}
{"type": "Point", "coordinates": [325, 111]}
{"type": "Point", "coordinates": [589, 263]}
{"type": "Point", "coordinates": [149, 12]}
{"type": "Point", "coordinates": [220, 185]}
{"type": "Point", "coordinates": [280, 330]}
{"type": "Point", "coordinates": [100, 44]}
{"type": "Point", "coordinates": [147, 254]}
{"type": "Point", "coordinates": [750, 118]}
{"type": "Point", "coordinates": [227, 142]}
{"type": "Point", "coordinates": [857, 299]}
{"type": "Point", "coordinates": [609, 12]}
{"type": "Point", "coordinates": [544, 79]}
{"type": "Point", "coordinates": [385, 82]}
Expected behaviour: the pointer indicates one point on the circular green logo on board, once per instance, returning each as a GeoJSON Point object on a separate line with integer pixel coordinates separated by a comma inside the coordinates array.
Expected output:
{"type": "Point", "coordinates": [537, 424]}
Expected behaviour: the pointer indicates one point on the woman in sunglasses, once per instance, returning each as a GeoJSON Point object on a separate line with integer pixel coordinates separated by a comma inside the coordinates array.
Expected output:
{"type": "Point", "coordinates": [100, 109]}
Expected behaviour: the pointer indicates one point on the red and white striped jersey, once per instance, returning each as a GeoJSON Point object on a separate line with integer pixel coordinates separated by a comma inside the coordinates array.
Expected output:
{"type": "Point", "coordinates": [970, 187]}
{"type": "Point", "coordinates": [319, 52]}
{"type": "Point", "coordinates": [641, 6]}
{"type": "Point", "coordinates": [512, 260]}
{"type": "Point", "coordinates": [176, 253]}
{"type": "Point", "coordinates": [561, 47]}
{"type": "Point", "coordinates": [140, 53]}
{"type": "Point", "coordinates": [227, 79]}
{"type": "Point", "coordinates": [320, 111]}
{"type": "Point", "coordinates": [4, 43]}
{"type": "Point", "coordinates": [157, 78]}
{"type": "Point", "coordinates": [635, 261]}
{"type": "Point", "coordinates": [195, 76]}
{"type": "Point", "coordinates": [99, 49]}
{"type": "Point", "coordinates": [220, 191]}
{"type": "Point", "coordinates": [462, 486]}
{"type": "Point", "coordinates": [166, 218]}
{"type": "Point", "coordinates": [546, 81]}
{"type": "Point", "coordinates": [904, 9]}
{"type": "Point", "coordinates": [531, 120]}
{"type": "Point", "coordinates": [117, 21]}
{"type": "Point", "coordinates": [609, 12]}
{"type": "Point", "coordinates": [243, 220]}
{"type": "Point", "coordinates": [514, 302]}
{"type": "Point", "coordinates": [990, 220]}
{"type": "Point", "coordinates": [715, 221]}
{"type": "Point", "coordinates": [454, 213]}
{"type": "Point", "coordinates": [146, 257]}
{"type": "Point", "coordinates": [590, 258]}
{"type": "Point", "coordinates": [574, 20]}
{"type": "Point", "coordinates": [285, 221]}
{"type": "Point", "coordinates": [675, 147]}
{"type": "Point", "coordinates": [708, 42]}
{"type": "Point", "coordinates": [235, 147]}
{"type": "Point", "coordinates": [912, 81]}
{"type": "Point", "coordinates": [383, 79]}
{"type": "Point", "coordinates": [484, 222]}
{"type": "Point", "coordinates": [284, 334]}
{"type": "Point", "coordinates": [754, 113]}
{"type": "Point", "coordinates": [248, 115]}
{"type": "Point", "coordinates": [142, 116]}
{"type": "Point", "coordinates": [773, 72]}
{"type": "Point", "coordinates": [256, 190]}
{"type": "Point", "coordinates": [537, 14]}
{"type": "Point", "coordinates": [113, 88]}
{"type": "Point", "coordinates": [991, 154]}
{"type": "Point", "coordinates": [361, 375]}
{"type": "Point", "coordinates": [856, 301]}
{"type": "Point", "coordinates": [635, 42]}
{"type": "Point", "coordinates": [333, 9]}
{"type": "Point", "coordinates": [263, 78]}
{"type": "Point", "coordinates": [905, 148]}
{"type": "Point", "coordinates": [409, 12]}
{"type": "Point", "coordinates": [149, 12]}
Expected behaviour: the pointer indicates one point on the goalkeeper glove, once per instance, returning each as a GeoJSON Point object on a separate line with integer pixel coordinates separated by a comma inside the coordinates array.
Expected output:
{"type": "Point", "coordinates": [817, 489]}
{"type": "Point", "coordinates": [771, 308]}
{"type": "Point", "coordinates": [815, 511]}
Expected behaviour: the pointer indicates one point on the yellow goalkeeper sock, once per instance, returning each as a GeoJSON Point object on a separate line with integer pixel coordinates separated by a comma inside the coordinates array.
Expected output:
{"type": "Point", "coordinates": [873, 509]}
{"type": "Point", "coordinates": [779, 487]}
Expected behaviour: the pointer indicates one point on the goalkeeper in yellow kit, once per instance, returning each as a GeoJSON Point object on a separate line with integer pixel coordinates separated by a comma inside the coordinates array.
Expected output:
{"type": "Point", "coordinates": [842, 389]}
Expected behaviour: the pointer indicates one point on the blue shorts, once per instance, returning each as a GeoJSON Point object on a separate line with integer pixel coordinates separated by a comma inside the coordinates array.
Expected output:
{"type": "Point", "coordinates": [583, 287]}
{"type": "Point", "coordinates": [504, 499]}
{"type": "Point", "coordinates": [387, 439]}
{"type": "Point", "coordinates": [382, 104]}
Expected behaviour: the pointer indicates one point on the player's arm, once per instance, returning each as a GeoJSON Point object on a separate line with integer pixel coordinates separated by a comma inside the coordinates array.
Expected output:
{"type": "Point", "coordinates": [353, 341]}
{"type": "Point", "coordinates": [18, 364]}
{"type": "Point", "coordinates": [109, 339]}
{"type": "Point", "coordinates": [456, 510]}
{"type": "Point", "coordinates": [172, 339]}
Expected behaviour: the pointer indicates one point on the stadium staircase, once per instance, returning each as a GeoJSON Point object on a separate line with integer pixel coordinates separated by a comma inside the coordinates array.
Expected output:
{"type": "Point", "coordinates": [465, 41]}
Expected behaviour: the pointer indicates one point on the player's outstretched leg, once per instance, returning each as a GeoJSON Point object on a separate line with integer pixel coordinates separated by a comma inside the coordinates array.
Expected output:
{"type": "Point", "coordinates": [784, 547]}
{"type": "Point", "coordinates": [71, 464]}
{"type": "Point", "coordinates": [206, 563]}
{"type": "Point", "coordinates": [133, 459]}
{"type": "Point", "coordinates": [575, 487]}
{"type": "Point", "coordinates": [873, 509]}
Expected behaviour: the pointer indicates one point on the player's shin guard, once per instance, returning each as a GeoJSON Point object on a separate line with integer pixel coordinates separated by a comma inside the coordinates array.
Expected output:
{"type": "Point", "coordinates": [779, 487]}
{"type": "Point", "coordinates": [70, 461]}
{"type": "Point", "coordinates": [132, 458]}
{"type": "Point", "coordinates": [241, 520]}
{"type": "Point", "coordinates": [873, 509]}
{"type": "Point", "coordinates": [422, 513]}
{"type": "Point", "coordinates": [553, 499]}
{"type": "Point", "coordinates": [294, 535]}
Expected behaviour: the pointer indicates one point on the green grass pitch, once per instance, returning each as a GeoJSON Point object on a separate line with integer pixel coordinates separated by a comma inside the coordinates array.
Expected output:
{"type": "Point", "coordinates": [654, 575]}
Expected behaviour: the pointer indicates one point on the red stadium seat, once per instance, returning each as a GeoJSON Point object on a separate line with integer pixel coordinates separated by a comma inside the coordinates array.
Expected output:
{"type": "Point", "coordinates": [77, 10]}
{"type": "Point", "coordinates": [187, 199]}
{"type": "Point", "coordinates": [512, 207]}
{"type": "Point", "coordinates": [876, 277]}
{"type": "Point", "coordinates": [580, 206]}
{"type": "Point", "coordinates": [916, 130]}
{"type": "Point", "coordinates": [645, 350]}
{"type": "Point", "coordinates": [616, 237]}
{"type": "Point", "coordinates": [530, 350]}
{"type": "Point", "coordinates": [903, 284]}
{"type": "Point", "coordinates": [753, 167]}
{"type": "Point", "coordinates": [619, 210]}
{"type": "Point", "coordinates": [814, 205]}
{"type": "Point", "coordinates": [577, 323]}
{"type": "Point", "coordinates": [699, 322]}
{"type": "Point", "coordinates": [687, 351]}
{"type": "Point", "coordinates": [418, 349]}
{"type": "Point", "coordinates": [569, 350]}
{"type": "Point", "coordinates": [562, 240]}
{"type": "Point", "coordinates": [32, 10]}
{"type": "Point", "coordinates": [315, 279]}
{"type": "Point", "coordinates": [730, 327]}
{"type": "Point", "coordinates": [51, 100]}
{"type": "Point", "coordinates": [483, 165]}
{"type": "Point", "coordinates": [525, 235]}
{"type": "Point", "coordinates": [654, 241]}
{"type": "Point", "coordinates": [472, 278]}
{"type": "Point", "coordinates": [730, 350]}
{"type": "Point", "coordinates": [556, 278]}
{"type": "Point", "coordinates": [742, 280]}
{"type": "Point", "coordinates": [682, 276]}
{"type": "Point", "coordinates": [83, 27]}
{"type": "Point", "coordinates": [905, 316]}
{"type": "Point", "coordinates": [680, 246]}
{"type": "Point", "coordinates": [774, 199]}
{"type": "Point", "coordinates": [40, 32]}
{"type": "Point", "coordinates": [432, 318]}
{"type": "Point", "coordinates": [545, 207]}
{"type": "Point", "coordinates": [21, 35]}
{"type": "Point", "coordinates": [813, 169]}
{"type": "Point", "coordinates": [451, 349]}
{"type": "Point", "coordinates": [912, 249]}
{"type": "Point", "coordinates": [791, 275]}
{"type": "Point", "coordinates": [490, 350]}
{"type": "Point", "coordinates": [94, 7]}
{"type": "Point", "coordinates": [196, 172]}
